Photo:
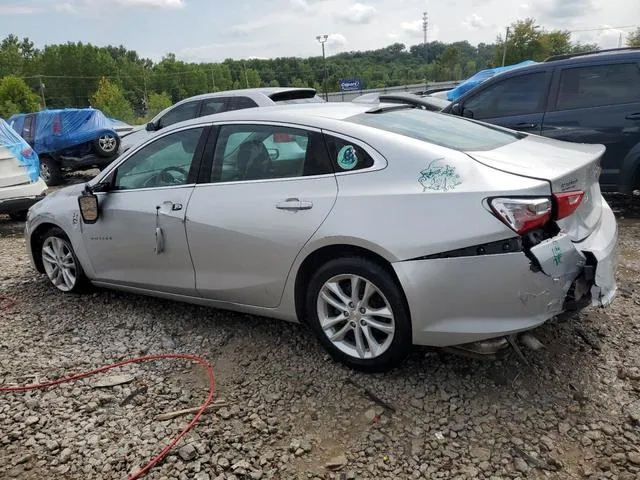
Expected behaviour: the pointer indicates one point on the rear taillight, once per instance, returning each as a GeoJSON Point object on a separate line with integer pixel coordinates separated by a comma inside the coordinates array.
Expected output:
{"type": "Point", "coordinates": [566, 203]}
{"type": "Point", "coordinates": [522, 214]}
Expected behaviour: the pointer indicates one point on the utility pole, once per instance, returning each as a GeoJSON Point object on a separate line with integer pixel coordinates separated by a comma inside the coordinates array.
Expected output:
{"type": "Point", "coordinates": [246, 78]}
{"type": "Point", "coordinates": [504, 51]}
{"type": "Point", "coordinates": [213, 80]}
{"type": "Point", "coordinates": [44, 101]}
{"type": "Point", "coordinates": [322, 39]}
{"type": "Point", "coordinates": [620, 41]}
{"type": "Point", "coordinates": [146, 94]}
{"type": "Point", "coordinates": [425, 26]}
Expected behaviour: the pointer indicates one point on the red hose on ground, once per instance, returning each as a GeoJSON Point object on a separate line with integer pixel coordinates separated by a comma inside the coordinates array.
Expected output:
{"type": "Point", "coordinates": [206, 365]}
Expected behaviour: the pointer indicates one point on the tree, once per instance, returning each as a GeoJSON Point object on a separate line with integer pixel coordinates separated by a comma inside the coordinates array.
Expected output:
{"type": "Point", "coordinates": [633, 39]}
{"type": "Point", "coordinates": [111, 100]}
{"type": "Point", "coordinates": [157, 103]}
{"type": "Point", "coordinates": [16, 97]}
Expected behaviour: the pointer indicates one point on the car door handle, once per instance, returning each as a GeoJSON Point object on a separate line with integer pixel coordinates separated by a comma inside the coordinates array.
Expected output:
{"type": "Point", "coordinates": [525, 125]}
{"type": "Point", "coordinates": [633, 116]}
{"type": "Point", "coordinates": [294, 204]}
{"type": "Point", "coordinates": [174, 207]}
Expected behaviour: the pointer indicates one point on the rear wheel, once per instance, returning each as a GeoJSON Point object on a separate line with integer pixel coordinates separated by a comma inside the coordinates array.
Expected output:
{"type": "Point", "coordinates": [357, 311]}
{"type": "Point", "coordinates": [106, 145]}
{"type": "Point", "coordinates": [50, 171]}
{"type": "Point", "coordinates": [60, 262]}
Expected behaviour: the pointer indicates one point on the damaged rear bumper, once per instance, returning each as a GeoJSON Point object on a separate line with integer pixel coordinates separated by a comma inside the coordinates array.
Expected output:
{"type": "Point", "coordinates": [466, 299]}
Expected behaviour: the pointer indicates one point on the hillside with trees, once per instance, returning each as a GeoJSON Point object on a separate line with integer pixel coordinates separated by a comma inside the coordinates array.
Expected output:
{"type": "Point", "coordinates": [123, 84]}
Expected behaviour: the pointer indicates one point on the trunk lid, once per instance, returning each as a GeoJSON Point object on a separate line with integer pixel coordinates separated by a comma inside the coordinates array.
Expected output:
{"type": "Point", "coordinates": [567, 166]}
{"type": "Point", "coordinates": [11, 171]}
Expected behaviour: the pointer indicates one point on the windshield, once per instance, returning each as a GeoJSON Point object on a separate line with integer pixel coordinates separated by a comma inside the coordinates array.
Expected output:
{"type": "Point", "coordinates": [438, 128]}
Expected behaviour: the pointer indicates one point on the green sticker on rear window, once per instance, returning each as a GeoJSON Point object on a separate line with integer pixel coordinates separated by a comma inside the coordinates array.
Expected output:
{"type": "Point", "coordinates": [347, 157]}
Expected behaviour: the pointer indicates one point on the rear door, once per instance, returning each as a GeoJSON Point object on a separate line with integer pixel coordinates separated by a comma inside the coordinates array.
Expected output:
{"type": "Point", "coordinates": [598, 103]}
{"type": "Point", "coordinates": [515, 102]}
{"type": "Point", "coordinates": [269, 190]}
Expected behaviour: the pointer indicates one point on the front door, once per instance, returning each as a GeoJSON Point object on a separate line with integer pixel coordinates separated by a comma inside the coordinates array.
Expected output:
{"type": "Point", "coordinates": [598, 104]}
{"type": "Point", "coordinates": [270, 189]}
{"type": "Point", "coordinates": [140, 238]}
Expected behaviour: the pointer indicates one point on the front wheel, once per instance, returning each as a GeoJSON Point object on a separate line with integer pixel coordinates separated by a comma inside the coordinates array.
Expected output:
{"type": "Point", "coordinates": [106, 145]}
{"type": "Point", "coordinates": [357, 310]}
{"type": "Point", "coordinates": [60, 262]}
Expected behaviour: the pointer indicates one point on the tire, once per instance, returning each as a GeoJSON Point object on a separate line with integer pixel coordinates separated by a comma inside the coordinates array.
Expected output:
{"type": "Point", "coordinates": [393, 343]}
{"type": "Point", "coordinates": [50, 171]}
{"type": "Point", "coordinates": [106, 145]}
{"type": "Point", "coordinates": [57, 256]}
{"type": "Point", "coordinates": [19, 216]}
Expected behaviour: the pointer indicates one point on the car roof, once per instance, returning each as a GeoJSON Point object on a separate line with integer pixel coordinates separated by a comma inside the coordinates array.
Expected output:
{"type": "Point", "coordinates": [319, 115]}
{"type": "Point", "coordinates": [266, 91]}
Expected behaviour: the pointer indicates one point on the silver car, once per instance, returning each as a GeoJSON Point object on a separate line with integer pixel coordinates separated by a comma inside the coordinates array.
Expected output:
{"type": "Point", "coordinates": [384, 227]}
{"type": "Point", "coordinates": [218, 102]}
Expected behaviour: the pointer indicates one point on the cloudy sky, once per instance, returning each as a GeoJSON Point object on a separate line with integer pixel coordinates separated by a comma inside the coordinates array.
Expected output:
{"type": "Point", "coordinates": [212, 30]}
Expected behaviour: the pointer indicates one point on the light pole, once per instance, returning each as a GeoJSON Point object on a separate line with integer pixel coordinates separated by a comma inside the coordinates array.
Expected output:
{"type": "Point", "coordinates": [322, 39]}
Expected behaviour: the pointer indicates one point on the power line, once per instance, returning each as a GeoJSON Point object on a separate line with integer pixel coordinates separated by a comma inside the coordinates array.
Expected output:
{"type": "Point", "coordinates": [600, 29]}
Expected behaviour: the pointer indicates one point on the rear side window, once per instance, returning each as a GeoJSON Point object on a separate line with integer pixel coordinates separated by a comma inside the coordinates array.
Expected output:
{"type": "Point", "coordinates": [347, 156]}
{"type": "Point", "coordinates": [519, 95]}
{"type": "Point", "coordinates": [598, 85]}
{"type": "Point", "coordinates": [239, 103]}
{"type": "Point", "coordinates": [212, 105]}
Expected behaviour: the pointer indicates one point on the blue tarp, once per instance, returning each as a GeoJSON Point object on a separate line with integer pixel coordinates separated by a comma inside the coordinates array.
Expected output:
{"type": "Point", "coordinates": [480, 77]}
{"type": "Point", "coordinates": [60, 129]}
{"type": "Point", "coordinates": [21, 150]}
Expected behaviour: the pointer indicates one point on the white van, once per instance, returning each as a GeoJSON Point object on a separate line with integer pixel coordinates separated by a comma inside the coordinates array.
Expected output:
{"type": "Point", "coordinates": [20, 182]}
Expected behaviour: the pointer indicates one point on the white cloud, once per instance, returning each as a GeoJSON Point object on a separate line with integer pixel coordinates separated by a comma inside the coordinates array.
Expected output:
{"type": "Point", "coordinates": [152, 3]}
{"type": "Point", "coordinates": [412, 28]}
{"type": "Point", "coordinates": [300, 5]}
{"type": "Point", "coordinates": [336, 40]}
{"type": "Point", "coordinates": [358, 14]}
{"type": "Point", "coordinates": [65, 7]}
{"type": "Point", "coordinates": [474, 21]}
{"type": "Point", "coordinates": [260, 24]}
{"type": "Point", "coordinates": [19, 10]}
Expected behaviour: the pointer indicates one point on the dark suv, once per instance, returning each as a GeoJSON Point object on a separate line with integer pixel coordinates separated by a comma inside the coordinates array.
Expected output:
{"type": "Point", "coordinates": [586, 98]}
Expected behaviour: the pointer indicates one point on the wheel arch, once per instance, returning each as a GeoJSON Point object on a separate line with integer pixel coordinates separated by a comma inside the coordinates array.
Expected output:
{"type": "Point", "coordinates": [323, 254]}
{"type": "Point", "coordinates": [37, 239]}
{"type": "Point", "coordinates": [629, 178]}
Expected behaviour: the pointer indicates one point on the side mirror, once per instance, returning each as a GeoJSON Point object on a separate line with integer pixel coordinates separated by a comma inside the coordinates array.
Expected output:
{"type": "Point", "coordinates": [88, 203]}
{"type": "Point", "coordinates": [456, 109]}
{"type": "Point", "coordinates": [151, 127]}
{"type": "Point", "coordinates": [466, 113]}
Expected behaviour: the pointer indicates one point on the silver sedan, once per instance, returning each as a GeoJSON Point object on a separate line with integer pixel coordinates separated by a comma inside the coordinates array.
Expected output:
{"type": "Point", "coordinates": [380, 227]}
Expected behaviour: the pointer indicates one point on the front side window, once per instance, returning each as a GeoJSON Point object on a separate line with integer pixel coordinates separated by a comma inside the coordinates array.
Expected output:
{"type": "Point", "coordinates": [186, 111]}
{"type": "Point", "coordinates": [598, 85]}
{"type": "Point", "coordinates": [261, 152]}
{"type": "Point", "coordinates": [162, 163]}
{"type": "Point", "coordinates": [521, 95]}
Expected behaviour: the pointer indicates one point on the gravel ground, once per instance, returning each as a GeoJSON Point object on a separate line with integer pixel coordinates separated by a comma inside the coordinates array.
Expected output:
{"type": "Point", "coordinates": [573, 412]}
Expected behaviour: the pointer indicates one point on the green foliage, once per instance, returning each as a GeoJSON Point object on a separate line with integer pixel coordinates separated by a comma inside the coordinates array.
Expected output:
{"type": "Point", "coordinates": [110, 99]}
{"type": "Point", "coordinates": [16, 97]}
{"type": "Point", "coordinates": [633, 39]}
{"type": "Point", "coordinates": [157, 103]}
{"type": "Point", "coordinates": [527, 41]}
{"type": "Point", "coordinates": [72, 72]}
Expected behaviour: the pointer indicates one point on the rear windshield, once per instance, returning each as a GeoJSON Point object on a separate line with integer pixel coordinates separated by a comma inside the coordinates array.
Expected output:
{"type": "Point", "coordinates": [438, 128]}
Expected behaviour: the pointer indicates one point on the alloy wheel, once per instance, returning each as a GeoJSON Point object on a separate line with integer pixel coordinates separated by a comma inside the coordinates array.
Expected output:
{"type": "Point", "coordinates": [355, 316]}
{"type": "Point", "coordinates": [59, 263]}
{"type": "Point", "coordinates": [107, 143]}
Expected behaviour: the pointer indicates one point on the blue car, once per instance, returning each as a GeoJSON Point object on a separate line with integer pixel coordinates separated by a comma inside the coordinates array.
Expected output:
{"type": "Point", "coordinates": [68, 139]}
